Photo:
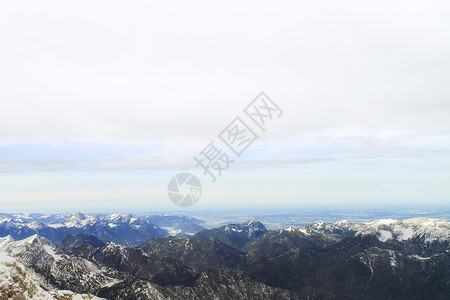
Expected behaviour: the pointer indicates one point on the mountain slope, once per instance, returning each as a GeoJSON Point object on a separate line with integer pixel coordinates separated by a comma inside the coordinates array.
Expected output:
{"type": "Point", "coordinates": [211, 284]}
{"type": "Point", "coordinates": [56, 270]}
{"type": "Point", "coordinates": [137, 264]}
{"type": "Point", "coordinates": [366, 265]}
{"type": "Point", "coordinates": [199, 253]}
{"type": "Point", "coordinates": [16, 282]}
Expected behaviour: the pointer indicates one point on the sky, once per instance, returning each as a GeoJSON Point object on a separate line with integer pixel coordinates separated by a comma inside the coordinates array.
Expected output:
{"type": "Point", "coordinates": [103, 102]}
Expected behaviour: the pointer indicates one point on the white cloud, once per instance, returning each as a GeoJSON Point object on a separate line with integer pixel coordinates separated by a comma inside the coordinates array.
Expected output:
{"type": "Point", "coordinates": [104, 85]}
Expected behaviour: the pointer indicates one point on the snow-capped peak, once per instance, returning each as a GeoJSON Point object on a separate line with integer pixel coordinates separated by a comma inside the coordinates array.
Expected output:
{"type": "Point", "coordinates": [426, 229]}
{"type": "Point", "coordinates": [249, 221]}
{"type": "Point", "coordinates": [17, 283]}
{"type": "Point", "coordinates": [120, 218]}
{"type": "Point", "coordinates": [342, 224]}
{"type": "Point", "coordinates": [318, 225]}
{"type": "Point", "coordinates": [290, 229]}
{"type": "Point", "coordinates": [4, 219]}
{"type": "Point", "coordinates": [112, 245]}
{"type": "Point", "coordinates": [78, 220]}
{"type": "Point", "coordinates": [5, 241]}
{"type": "Point", "coordinates": [33, 246]}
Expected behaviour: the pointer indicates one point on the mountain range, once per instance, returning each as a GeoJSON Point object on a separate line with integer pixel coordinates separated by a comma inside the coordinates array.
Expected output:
{"type": "Point", "coordinates": [384, 259]}
{"type": "Point", "coordinates": [124, 229]}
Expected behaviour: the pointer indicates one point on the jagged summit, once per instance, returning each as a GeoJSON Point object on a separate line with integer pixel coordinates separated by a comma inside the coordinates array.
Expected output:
{"type": "Point", "coordinates": [34, 239]}
{"type": "Point", "coordinates": [6, 240]}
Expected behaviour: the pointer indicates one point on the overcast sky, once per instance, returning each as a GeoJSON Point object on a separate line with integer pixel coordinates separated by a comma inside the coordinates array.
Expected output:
{"type": "Point", "coordinates": [102, 102]}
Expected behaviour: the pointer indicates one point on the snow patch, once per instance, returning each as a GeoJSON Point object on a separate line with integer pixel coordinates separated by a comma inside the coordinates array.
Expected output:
{"type": "Point", "coordinates": [50, 250]}
{"type": "Point", "coordinates": [384, 235]}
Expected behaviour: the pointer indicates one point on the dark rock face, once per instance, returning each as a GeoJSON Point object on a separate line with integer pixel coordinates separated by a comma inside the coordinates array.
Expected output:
{"type": "Point", "coordinates": [356, 268]}
{"type": "Point", "coordinates": [78, 275]}
{"type": "Point", "coordinates": [276, 242]}
{"type": "Point", "coordinates": [79, 244]}
{"type": "Point", "coordinates": [136, 264]}
{"type": "Point", "coordinates": [236, 235]}
{"type": "Point", "coordinates": [199, 253]}
{"type": "Point", "coordinates": [211, 284]}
